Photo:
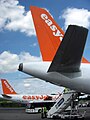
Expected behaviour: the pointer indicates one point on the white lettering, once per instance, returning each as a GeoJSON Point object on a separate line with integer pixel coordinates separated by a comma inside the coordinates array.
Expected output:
{"type": "Point", "coordinates": [49, 22]}
{"type": "Point", "coordinates": [8, 86]}
{"type": "Point", "coordinates": [44, 16]}
{"type": "Point", "coordinates": [53, 28]}
{"type": "Point", "coordinates": [55, 32]}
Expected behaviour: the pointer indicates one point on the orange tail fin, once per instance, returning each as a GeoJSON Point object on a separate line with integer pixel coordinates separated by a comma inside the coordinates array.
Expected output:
{"type": "Point", "coordinates": [48, 32]}
{"type": "Point", "coordinates": [84, 60]}
{"type": "Point", "coordinates": [6, 87]}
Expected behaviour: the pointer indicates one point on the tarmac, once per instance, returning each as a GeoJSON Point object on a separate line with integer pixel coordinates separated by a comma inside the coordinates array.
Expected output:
{"type": "Point", "coordinates": [19, 114]}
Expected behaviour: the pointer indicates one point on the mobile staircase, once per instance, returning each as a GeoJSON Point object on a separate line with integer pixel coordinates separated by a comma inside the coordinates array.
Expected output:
{"type": "Point", "coordinates": [60, 108]}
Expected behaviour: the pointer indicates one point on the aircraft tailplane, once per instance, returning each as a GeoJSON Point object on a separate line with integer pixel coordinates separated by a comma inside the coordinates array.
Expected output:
{"type": "Point", "coordinates": [7, 88]}
{"type": "Point", "coordinates": [69, 54]}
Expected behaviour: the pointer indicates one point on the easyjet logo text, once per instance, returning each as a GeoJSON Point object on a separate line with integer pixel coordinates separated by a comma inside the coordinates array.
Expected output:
{"type": "Point", "coordinates": [11, 90]}
{"type": "Point", "coordinates": [32, 97]}
{"type": "Point", "coordinates": [54, 29]}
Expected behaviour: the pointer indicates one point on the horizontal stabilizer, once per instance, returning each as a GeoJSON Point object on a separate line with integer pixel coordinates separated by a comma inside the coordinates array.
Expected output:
{"type": "Point", "coordinates": [6, 96]}
{"type": "Point", "coordinates": [69, 54]}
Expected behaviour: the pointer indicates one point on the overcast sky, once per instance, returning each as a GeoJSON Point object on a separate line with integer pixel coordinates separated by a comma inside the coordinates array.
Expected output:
{"type": "Point", "coordinates": [18, 41]}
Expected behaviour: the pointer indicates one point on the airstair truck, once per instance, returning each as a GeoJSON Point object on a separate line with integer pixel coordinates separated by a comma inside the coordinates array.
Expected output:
{"type": "Point", "coordinates": [60, 108]}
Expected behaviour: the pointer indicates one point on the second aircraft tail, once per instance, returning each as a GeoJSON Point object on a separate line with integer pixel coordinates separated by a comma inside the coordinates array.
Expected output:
{"type": "Point", "coordinates": [6, 87]}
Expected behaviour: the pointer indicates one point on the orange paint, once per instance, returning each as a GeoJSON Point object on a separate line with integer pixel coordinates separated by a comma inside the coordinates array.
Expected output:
{"type": "Point", "coordinates": [32, 97]}
{"type": "Point", "coordinates": [84, 60]}
{"type": "Point", "coordinates": [48, 32]}
{"type": "Point", "coordinates": [7, 89]}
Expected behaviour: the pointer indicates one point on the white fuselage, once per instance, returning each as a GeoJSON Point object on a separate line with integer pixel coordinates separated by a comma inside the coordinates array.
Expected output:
{"type": "Point", "coordinates": [75, 81]}
{"type": "Point", "coordinates": [25, 99]}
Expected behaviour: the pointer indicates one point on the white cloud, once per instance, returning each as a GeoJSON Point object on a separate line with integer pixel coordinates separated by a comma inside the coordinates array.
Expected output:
{"type": "Point", "coordinates": [33, 45]}
{"type": "Point", "coordinates": [36, 86]}
{"type": "Point", "coordinates": [9, 62]}
{"type": "Point", "coordinates": [14, 17]}
{"type": "Point", "coordinates": [26, 85]}
{"type": "Point", "coordinates": [76, 16]}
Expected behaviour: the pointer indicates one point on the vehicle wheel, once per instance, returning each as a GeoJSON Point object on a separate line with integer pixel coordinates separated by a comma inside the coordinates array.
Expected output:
{"type": "Point", "coordinates": [39, 111]}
